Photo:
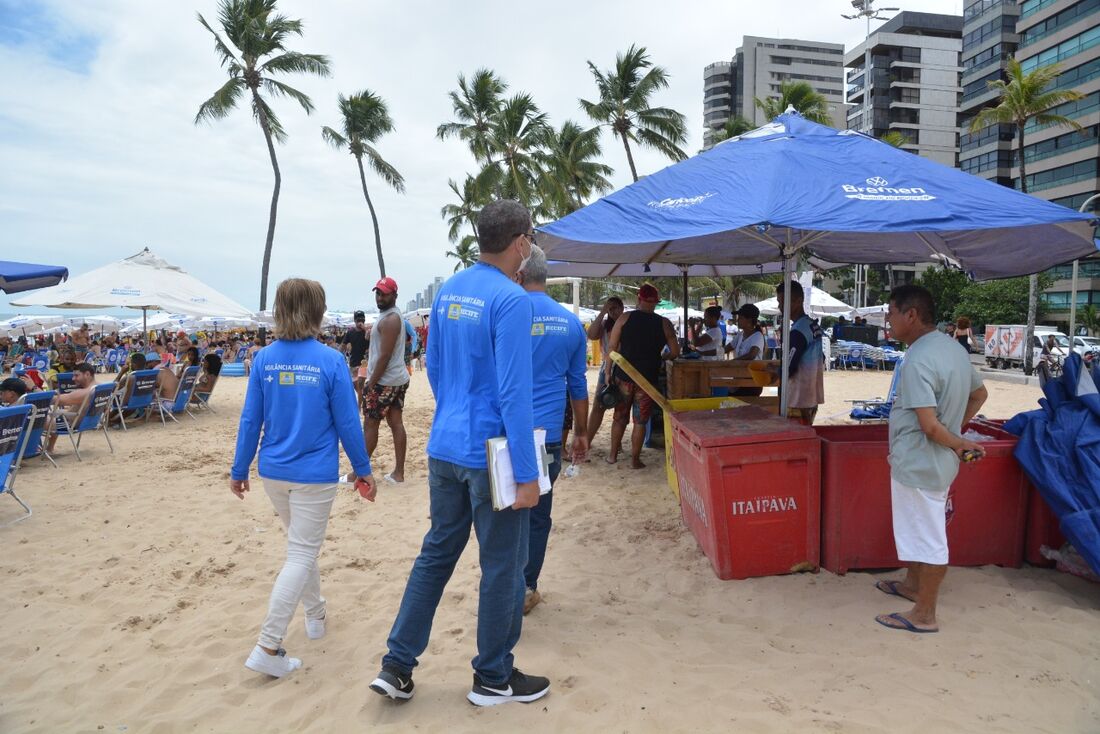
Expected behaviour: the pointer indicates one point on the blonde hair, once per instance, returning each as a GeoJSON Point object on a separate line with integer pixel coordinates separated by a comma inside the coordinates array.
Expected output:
{"type": "Point", "coordinates": [299, 308]}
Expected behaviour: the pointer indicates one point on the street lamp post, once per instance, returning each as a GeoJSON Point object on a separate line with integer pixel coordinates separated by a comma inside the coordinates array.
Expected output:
{"type": "Point", "coordinates": [1073, 285]}
{"type": "Point", "coordinates": [865, 9]}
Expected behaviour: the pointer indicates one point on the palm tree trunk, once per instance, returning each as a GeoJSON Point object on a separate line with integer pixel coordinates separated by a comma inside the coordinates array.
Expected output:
{"type": "Point", "coordinates": [266, 267]}
{"type": "Point", "coordinates": [374, 218]}
{"type": "Point", "coordinates": [630, 158]}
{"type": "Point", "coordinates": [1033, 280]}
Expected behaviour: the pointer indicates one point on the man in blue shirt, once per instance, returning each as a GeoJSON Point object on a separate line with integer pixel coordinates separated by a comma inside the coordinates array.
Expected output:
{"type": "Point", "coordinates": [558, 361]}
{"type": "Point", "coordinates": [479, 368]}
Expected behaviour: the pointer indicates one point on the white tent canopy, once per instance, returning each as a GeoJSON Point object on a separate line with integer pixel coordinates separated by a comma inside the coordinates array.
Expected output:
{"type": "Point", "coordinates": [29, 325]}
{"type": "Point", "coordinates": [144, 282]}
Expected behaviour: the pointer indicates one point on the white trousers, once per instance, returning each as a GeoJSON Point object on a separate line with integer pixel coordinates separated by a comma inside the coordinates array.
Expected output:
{"type": "Point", "coordinates": [920, 524]}
{"type": "Point", "coordinates": [304, 510]}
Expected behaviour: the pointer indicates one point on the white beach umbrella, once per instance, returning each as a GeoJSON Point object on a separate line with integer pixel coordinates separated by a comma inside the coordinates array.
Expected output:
{"type": "Point", "coordinates": [820, 304]}
{"type": "Point", "coordinates": [30, 325]}
{"type": "Point", "coordinates": [144, 282]}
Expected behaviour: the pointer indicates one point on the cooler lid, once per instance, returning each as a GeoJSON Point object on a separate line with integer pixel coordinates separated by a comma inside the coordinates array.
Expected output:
{"type": "Point", "coordinates": [734, 426]}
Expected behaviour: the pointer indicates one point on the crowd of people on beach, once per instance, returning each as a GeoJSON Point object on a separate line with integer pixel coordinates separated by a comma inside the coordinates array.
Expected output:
{"type": "Point", "coordinates": [505, 359]}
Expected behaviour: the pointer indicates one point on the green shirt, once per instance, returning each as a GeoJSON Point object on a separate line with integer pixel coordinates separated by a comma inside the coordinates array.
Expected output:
{"type": "Point", "coordinates": [936, 373]}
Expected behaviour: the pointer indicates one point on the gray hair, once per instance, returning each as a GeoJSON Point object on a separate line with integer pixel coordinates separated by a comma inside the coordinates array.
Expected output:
{"type": "Point", "coordinates": [499, 223]}
{"type": "Point", "coordinates": [536, 270]}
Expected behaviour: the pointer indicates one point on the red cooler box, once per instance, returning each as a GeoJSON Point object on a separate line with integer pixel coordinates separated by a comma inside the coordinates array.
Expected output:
{"type": "Point", "coordinates": [749, 490]}
{"type": "Point", "coordinates": [987, 509]}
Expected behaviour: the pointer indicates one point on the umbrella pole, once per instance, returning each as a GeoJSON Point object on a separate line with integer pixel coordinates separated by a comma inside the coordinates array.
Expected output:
{"type": "Point", "coordinates": [785, 351]}
{"type": "Point", "coordinates": [685, 304]}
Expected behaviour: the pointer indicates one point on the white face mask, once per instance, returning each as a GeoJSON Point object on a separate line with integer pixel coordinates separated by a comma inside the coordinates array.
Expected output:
{"type": "Point", "coordinates": [524, 261]}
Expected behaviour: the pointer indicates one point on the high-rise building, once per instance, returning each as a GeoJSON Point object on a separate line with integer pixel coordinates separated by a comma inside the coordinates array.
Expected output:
{"type": "Point", "coordinates": [760, 66]}
{"type": "Point", "coordinates": [989, 39]}
{"type": "Point", "coordinates": [1063, 165]}
{"type": "Point", "coordinates": [914, 83]}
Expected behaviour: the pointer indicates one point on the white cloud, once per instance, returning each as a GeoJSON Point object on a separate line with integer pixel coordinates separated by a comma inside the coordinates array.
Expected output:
{"type": "Point", "coordinates": [98, 165]}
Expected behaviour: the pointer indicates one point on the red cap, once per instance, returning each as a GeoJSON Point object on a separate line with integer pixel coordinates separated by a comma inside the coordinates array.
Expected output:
{"type": "Point", "coordinates": [648, 294]}
{"type": "Point", "coordinates": [386, 285]}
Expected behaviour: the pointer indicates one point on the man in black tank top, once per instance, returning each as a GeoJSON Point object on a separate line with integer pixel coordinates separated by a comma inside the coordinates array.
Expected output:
{"type": "Point", "coordinates": [641, 337]}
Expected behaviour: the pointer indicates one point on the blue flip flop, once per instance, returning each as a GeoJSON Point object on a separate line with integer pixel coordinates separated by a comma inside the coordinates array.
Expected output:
{"type": "Point", "coordinates": [890, 588]}
{"type": "Point", "coordinates": [906, 625]}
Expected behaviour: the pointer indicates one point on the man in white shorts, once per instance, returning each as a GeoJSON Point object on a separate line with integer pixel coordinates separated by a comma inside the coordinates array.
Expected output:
{"type": "Point", "coordinates": [938, 393]}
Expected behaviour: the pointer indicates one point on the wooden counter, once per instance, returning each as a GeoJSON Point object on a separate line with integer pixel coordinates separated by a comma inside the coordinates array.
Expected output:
{"type": "Point", "coordinates": [695, 378]}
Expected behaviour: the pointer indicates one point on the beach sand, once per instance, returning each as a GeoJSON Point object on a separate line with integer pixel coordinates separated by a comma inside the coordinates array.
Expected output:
{"type": "Point", "coordinates": [133, 595]}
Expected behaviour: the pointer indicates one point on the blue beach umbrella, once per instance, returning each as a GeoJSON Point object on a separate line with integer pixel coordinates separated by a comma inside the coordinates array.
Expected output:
{"type": "Point", "coordinates": [794, 188]}
{"type": "Point", "coordinates": [18, 277]}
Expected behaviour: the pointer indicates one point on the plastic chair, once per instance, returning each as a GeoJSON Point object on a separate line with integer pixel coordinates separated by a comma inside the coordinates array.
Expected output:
{"type": "Point", "coordinates": [137, 392]}
{"type": "Point", "coordinates": [13, 442]}
{"type": "Point", "coordinates": [92, 417]}
{"type": "Point", "coordinates": [179, 402]}
{"type": "Point", "coordinates": [40, 362]}
{"type": "Point", "coordinates": [41, 402]}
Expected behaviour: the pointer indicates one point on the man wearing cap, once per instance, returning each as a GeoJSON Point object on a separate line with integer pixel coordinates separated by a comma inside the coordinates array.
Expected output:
{"type": "Point", "coordinates": [354, 344]}
{"type": "Point", "coordinates": [640, 336]}
{"type": "Point", "coordinates": [387, 378]}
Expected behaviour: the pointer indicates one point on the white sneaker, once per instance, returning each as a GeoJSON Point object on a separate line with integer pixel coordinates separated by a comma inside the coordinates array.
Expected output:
{"type": "Point", "coordinates": [276, 665]}
{"type": "Point", "coordinates": [315, 628]}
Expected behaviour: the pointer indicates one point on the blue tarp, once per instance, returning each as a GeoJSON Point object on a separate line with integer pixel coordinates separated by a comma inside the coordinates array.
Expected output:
{"type": "Point", "coordinates": [1059, 449]}
{"type": "Point", "coordinates": [18, 277]}
{"type": "Point", "coordinates": [797, 186]}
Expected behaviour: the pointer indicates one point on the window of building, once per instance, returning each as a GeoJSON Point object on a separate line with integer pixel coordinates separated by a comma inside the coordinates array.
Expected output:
{"type": "Point", "coordinates": [1076, 201]}
{"type": "Point", "coordinates": [905, 116]}
{"type": "Point", "coordinates": [1062, 144]}
{"type": "Point", "coordinates": [1078, 75]}
{"type": "Point", "coordinates": [985, 136]}
{"type": "Point", "coordinates": [904, 94]}
{"type": "Point", "coordinates": [981, 86]}
{"type": "Point", "coordinates": [909, 54]}
{"type": "Point", "coordinates": [1030, 7]}
{"type": "Point", "coordinates": [988, 161]}
{"type": "Point", "coordinates": [1085, 269]}
{"type": "Point", "coordinates": [1070, 47]}
{"type": "Point", "coordinates": [995, 27]}
{"type": "Point", "coordinates": [1078, 108]}
{"type": "Point", "coordinates": [1072, 173]}
{"type": "Point", "coordinates": [1056, 22]}
{"type": "Point", "coordinates": [1060, 299]}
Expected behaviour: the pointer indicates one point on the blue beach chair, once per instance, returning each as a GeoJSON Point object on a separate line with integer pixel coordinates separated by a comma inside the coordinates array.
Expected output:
{"type": "Point", "coordinates": [179, 402]}
{"type": "Point", "coordinates": [66, 382]}
{"type": "Point", "coordinates": [14, 421]}
{"type": "Point", "coordinates": [40, 417]}
{"type": "Point", "coordinates": [92, 417]}
{"type": "Point", "coordinates": [136, 393]}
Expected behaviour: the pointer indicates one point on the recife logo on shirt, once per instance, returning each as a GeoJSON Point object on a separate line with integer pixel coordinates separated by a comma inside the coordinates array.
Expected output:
{"type": "Point", "coordinates": [462, 308]}
{"type": "Point", "coordinates": [294, 375]}
{"type": "Point", "coordinates": [550, 326]}
{"type": "Point", "coordinates": [538, 329]}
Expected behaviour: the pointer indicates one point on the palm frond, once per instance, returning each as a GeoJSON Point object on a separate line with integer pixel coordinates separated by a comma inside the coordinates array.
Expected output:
{"type": "Point", "coordinates": [278, 133]}
{"type": "Point", "coordinates": [385, 170]}
{"type": "Point", "coordinates": [333, 138]}
{"type": "Point", "coordinates": [293, 62]}
{"type": "Point", "coordinates": [278, 89]}
{"type": "Point", "coordinates": [224, 54]}
{"type": "Point", "coordinates": [222, 102]}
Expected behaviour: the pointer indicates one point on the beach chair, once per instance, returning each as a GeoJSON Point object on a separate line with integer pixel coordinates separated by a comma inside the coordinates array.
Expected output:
{"type": "Point", "coordinates": [92, 417]}
{"type": "Point", "coordinates": [41, 403]}
{"type": "Point", "coordinates": [110, 362]}
{"type": "Point", "coordinates": [65, 382]}
{"type": "Point", "coordinates": [137, 392]}
{"type": "Point", "coordinates": [876, 410]}
{"type": "Point", "coordinates": [13, 441]}
{"type": "Point", "coordinates": [40, 362]}
{"type": "Point", "coordinates": [179, 402]}
{"type": "Point", "coordinates": [202, 399]}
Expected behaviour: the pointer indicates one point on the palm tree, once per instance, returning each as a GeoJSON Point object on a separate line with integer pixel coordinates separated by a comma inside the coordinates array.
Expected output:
{"type": "Point", "coordinates": [894, 138]}
{"type": "Point", "coordinates": [574, 174]}
{"type": "Point", "coordinates": [466, 251]}
{"type": "Point", "coordinates": [805, 99]}
{"type": "Point", "coordinates": [1024, 98]}
{"type": "Point", "coordinates": [515, 150]}
{"type": "Point", "coordinates": [258, 33]}
{"type": "Point", "coordinates": [475, 103]}
{"type": "Point", "coordinates": [1089, 318]}
{"type": "Point", "coordinates": [470, 202]}
{"type": "Point", "coordinates": [737, 290]}
{"type": "Point", "coordinates": [624, 106]}
{"type": "Point", "coordinates": [735, 126]}
{"type": "Point", "coordinates": [365, 119]}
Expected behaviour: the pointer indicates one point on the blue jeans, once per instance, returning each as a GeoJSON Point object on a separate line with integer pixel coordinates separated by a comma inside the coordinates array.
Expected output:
{"type": "Point", "coordinates": [459, 498]}
{"type": "Point", "coordinates": [540, 523]}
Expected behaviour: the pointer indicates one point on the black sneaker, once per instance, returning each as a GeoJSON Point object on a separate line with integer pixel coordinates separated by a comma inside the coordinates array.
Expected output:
{"type": "Point", "coordinates": [393, 683]}
{"type": "Point", "coordinates": [520, 687]}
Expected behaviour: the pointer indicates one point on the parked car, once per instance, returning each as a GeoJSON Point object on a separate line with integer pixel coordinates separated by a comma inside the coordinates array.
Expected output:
{"type": "Point", "coordinates": [1085, 344]}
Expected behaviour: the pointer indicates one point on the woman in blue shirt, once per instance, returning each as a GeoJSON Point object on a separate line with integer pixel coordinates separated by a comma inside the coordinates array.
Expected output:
{"type": "Point", "coordinates": [300, 396]}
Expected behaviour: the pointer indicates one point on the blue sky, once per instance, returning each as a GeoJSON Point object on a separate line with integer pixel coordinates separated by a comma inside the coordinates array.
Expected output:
{"type": "Point", "coordinates": [101, 156]}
